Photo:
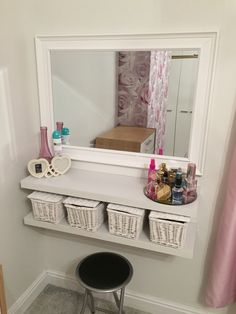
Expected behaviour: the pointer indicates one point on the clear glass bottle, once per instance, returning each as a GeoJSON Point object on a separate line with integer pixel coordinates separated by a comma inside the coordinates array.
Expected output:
{"type": "Point", "coordinates": [44, 147]}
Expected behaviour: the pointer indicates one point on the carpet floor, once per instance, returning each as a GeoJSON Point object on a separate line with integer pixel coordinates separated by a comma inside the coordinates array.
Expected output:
{"type": "Point", "coordinates": [55, 300]}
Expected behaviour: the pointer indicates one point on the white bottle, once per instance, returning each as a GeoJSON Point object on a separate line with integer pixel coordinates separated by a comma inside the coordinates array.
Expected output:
{"type": "Point", "coordinates": [57, 143]}
{"type": "Point", "coordinates": [65, 136]}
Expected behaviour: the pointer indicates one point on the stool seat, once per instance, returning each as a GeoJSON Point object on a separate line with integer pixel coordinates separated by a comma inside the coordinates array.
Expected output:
{"type": "Point", "coordinates": [104, 272]}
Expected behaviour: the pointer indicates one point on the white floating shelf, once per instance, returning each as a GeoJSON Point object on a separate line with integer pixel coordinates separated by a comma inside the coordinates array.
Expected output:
{"type": "Point", "coordinates": [106, 187]}
{"type": "Point", "coordinates": [103, 234]}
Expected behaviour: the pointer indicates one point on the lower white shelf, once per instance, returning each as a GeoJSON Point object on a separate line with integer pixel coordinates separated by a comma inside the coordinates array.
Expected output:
{"type": "Point", "coordinates": [103, 234]}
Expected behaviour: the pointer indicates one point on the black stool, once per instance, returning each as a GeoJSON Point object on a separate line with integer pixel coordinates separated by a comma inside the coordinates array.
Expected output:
{"type": "Point", "coordinates": [104, 272]}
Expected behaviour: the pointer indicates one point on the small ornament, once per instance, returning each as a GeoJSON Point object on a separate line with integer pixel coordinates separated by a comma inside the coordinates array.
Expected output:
{"type": "Point", "coordinates": [39, 168]}
{"type": "Point", "coordinates": [61, 164]}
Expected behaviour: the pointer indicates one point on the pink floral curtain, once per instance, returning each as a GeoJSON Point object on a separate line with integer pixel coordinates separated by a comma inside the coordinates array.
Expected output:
{"type": "Point", "coordinates": [142, 90]}
{"type": "Point", "coordinates": [158, 91]}
{"type": "Point", "coordinates": [133, 87]}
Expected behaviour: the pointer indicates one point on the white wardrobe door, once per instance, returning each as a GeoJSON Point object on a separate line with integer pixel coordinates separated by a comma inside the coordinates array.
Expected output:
{"type": "Point", "coordinates": [188, 78]}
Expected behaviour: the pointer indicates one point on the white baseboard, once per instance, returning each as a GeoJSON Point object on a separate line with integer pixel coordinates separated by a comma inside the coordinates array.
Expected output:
{"type": "Point", "coordinates": [30, 294]}
{"type": "Point", "coordinates": [133, 299]}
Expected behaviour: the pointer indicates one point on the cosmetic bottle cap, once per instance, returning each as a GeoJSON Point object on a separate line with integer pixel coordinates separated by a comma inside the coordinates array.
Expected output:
{"type": "Point", "coordinates": [152, 165]}
{"type": "Point", "coordinates": [160, 151]}
{"type": "Point", "coordinates": [179, 171]}
{"type": "Point", "coordinates": [56, 134]}
{"type": "Point", "coordinates": [65, 131]}
{"type": "Point", "coordinates": [178, 180]}
{"type": "Point", "coordinates": [59, 126]}
{"type": "Point", "coordinates": [163, 166]}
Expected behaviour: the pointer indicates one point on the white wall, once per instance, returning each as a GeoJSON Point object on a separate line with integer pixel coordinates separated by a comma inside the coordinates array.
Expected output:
{"type": "Point", "coordinates": [84, 85]}
{"type": "Point", "coordinates": [173, 279]}
{"type": "Point", "coordinates": [20, 248]}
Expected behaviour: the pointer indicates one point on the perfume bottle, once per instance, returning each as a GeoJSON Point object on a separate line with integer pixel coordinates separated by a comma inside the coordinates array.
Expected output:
{"type": "Point", "coordinates": [165, 178]}
{"type": "Point", "coordinates": [162, 171]}
{"type": "Point", "coordinates": [190, 184]}
{"type": "Point", "coordinates": [171, 177]}
{"type": "Point", "coordinates": [44, 147]}
{"type": "Point", "coordinates": [177, 191]}
{"type": "Point", "coordinates": [151, 190]}
{"type": "Point", "coordinates": [57, 143]}
{"type": "Point", "coordinates": [152, 184]}
{"type": "Point", "coordinates": [152, 171]}
{"type": "Point", "coordinates": [59, 126]}
{"type": "Point", "coordinates": [163, 193]}
{"type": "Point", "coordinates": [65, 136]}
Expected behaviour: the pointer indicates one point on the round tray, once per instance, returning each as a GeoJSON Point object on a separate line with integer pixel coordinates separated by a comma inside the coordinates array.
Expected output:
{"type": "Point", "coordinates": [168, 202]}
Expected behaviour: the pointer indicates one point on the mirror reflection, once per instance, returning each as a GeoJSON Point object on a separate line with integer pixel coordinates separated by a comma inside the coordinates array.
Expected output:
{"type": "Point", "coordinates": [139, 101]}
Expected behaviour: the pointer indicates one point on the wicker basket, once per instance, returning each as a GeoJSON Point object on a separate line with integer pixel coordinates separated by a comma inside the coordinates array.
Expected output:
{"type": "Point", "coordinates": [84, 214]}
{"type": "Point", "coordinates": [47, 207]}
{"type": "Point", "coordinates": [168, 229]}
{"type": "Point", "coordinates": [125, 221]}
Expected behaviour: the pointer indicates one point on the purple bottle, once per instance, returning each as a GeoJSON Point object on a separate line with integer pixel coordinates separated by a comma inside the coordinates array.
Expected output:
{"type": "Point", "coordinates": [44, 148]}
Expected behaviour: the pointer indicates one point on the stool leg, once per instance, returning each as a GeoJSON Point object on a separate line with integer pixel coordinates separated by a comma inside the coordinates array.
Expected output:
{"type": "Point", "coordinates": [92, 302]}
{"type": "Point", "coordinates": [116, 299]}
{"type": "Point", "coordinates": [84, 302]}
{"type": "Point", "coordinates": [122, 294]}
{"type": "Point", "coordinates": [119, 302]}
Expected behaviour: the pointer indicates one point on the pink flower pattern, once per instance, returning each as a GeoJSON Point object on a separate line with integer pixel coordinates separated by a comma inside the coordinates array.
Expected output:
{"type": "Point", "coordinates": [133, 87]}
{"type": "Point", "coordinates": [158, 89]}
{"type": "Point", "coordinates": [142, 90]}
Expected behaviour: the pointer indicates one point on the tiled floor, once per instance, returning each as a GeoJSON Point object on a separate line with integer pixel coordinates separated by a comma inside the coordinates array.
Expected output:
{"type": "Point", "coordinates": [55, 300]}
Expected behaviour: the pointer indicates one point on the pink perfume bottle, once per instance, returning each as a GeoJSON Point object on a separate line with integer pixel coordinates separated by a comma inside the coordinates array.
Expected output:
{"type": "Point", "coordinates": [44, 148]}
{"type": "Point", "coordinates": [59, 126]}
{"type": "Point", "coordinates": [190, 184]}
{"type": "Point", "coordinates": [152, 184]}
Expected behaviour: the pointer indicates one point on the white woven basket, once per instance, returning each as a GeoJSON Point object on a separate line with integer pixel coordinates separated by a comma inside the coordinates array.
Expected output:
{"type": "Point", "coordinates": [47, 207]}
{"type": "Point", "coordinates": [125, 221]}
{"type": "Point", "coordinates": [84, 214]}
{"type": "Point", "coordinates": [168, 229]}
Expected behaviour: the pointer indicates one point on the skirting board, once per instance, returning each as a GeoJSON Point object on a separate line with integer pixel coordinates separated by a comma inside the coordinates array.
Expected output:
{"type": "Point", "coordinates": [30, 294]}
{"type": "Point", "coordinates": [142, 302]}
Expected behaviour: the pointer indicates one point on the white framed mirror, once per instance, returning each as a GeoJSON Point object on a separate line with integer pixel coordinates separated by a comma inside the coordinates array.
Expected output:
{"type": "Point", "coordinates": [98, 87]}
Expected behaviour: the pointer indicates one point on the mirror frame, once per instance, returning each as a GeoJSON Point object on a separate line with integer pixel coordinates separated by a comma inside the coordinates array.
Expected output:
{"type": "Point", "coordinates": [204, 42]}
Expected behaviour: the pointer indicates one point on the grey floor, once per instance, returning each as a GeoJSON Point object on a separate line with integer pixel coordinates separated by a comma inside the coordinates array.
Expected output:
{"type": "Point", "coordinates": [55, 300]}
